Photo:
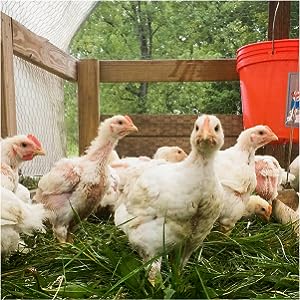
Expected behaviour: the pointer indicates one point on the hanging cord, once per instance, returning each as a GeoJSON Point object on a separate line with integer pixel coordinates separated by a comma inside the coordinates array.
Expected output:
{"type": "Point", "coordinates": [289, 154]}
{"type": "Point", "coordinates": [273, 26]}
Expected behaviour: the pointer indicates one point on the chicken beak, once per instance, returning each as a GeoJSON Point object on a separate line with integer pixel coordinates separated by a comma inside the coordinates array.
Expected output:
{"type": "Point", "coordinates": [266, 216]}
{"type": "Point", "coordinates": [132, 128]}
{"type": "Point", "coordinates": [39, 151]}
{"type": "Point", "coordinates": [205, 134]}
{"type": "Point", "coordinates": [271, 137]}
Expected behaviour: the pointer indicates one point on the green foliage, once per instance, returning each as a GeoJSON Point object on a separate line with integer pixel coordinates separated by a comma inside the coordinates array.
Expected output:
{"type": "Point", "coordinates": [30, 182]}
{"type": "Point", "coordinates": [170, 30]}
{"type": "Point", "coordinates": [131, 30]}
{"type": "Point", "coordinates": [71, 118]}
{"type": "Point", "coordinates": [259, 262]}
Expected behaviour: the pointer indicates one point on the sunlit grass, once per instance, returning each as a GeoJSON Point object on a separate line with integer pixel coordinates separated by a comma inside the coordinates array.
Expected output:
{"type": "Point", "coordinates": [259, 262]}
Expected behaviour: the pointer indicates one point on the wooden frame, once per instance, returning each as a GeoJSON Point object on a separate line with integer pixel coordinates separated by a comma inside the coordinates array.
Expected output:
{"type": "Point", "coordinates": [38, 51]}
{"type": "Point", "coordinates": [18, 40]}
{"type": "Point", "coordinates": [168, 70]}
{"type": "Point", "coordinates": [88, 101]}
{"type": "Point", "coordinates": [8, 101]}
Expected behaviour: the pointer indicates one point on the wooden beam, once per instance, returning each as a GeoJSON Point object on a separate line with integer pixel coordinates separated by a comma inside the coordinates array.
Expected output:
{"type": "Point", "coordinates": [88, 101]}
{"type": "Point", "coordinates": [168, 70]}
{"type": "Point", "coordinates": [8, 101]}
{"type": "Point", "coordinates": [282, 21]}
{"type": "Point", "coordinates": [40, 52]}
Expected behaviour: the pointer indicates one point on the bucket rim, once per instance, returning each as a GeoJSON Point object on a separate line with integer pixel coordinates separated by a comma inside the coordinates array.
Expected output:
{"type": "Point", "coordinates": [283, 41]}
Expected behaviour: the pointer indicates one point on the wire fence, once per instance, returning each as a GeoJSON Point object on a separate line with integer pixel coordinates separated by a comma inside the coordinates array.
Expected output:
{"type": "Point", "coordinates": [39, 94]}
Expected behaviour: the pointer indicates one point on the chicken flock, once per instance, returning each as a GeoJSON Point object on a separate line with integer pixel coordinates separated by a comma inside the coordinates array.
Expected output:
{"type": "Point", "coordinates": [171, 200]}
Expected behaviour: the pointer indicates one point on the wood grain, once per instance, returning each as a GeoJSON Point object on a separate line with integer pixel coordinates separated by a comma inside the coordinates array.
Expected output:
{"type": "Point", "coordinates": [88, 101]}
{"type": "Point", "coordinates": [8, 101]}
{"type": "Point", "coordinates": [40, 52]}
{"type": "Point", "coordinates": [168, 70]}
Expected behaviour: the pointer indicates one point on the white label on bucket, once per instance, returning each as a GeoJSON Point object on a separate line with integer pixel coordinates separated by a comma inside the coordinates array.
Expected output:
{"type": "Point", "coordinates": [292, 101]}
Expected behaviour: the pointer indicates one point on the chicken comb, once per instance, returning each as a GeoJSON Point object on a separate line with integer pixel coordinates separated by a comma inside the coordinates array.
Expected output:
{"type": "Point", "coordinates": [35, 140]}
{"type": "Point", "coordinates": [128, 119]}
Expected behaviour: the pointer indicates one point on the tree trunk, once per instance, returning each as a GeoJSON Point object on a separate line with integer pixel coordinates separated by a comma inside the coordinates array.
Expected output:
{"type": "Point", "coordinates": [143, 27]}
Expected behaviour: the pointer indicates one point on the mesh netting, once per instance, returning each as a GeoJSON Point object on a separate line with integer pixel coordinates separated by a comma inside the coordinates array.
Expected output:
{"type": "Point", "coordinates": [39, 94]}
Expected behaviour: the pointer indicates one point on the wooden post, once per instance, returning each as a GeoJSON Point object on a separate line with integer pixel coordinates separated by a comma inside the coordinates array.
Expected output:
{"type": "Point", "coordinates": [282, 21]}
{"type": "Point", "coordinates": [88, 97]}
{"type": "Point", "coordinates": [8, 101]}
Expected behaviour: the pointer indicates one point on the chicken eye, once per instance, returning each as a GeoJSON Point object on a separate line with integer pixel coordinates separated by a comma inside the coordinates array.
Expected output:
{"type": "Point", "coordinates": [217, 128]}
{"type": "Point", "coordinates": [197, 127]}
{"type": "Point", "coordinates": [24, 145]}
{"type": "Point", "coordinates": [179, 151]}
{"type": "Point", "coordinates": [120, 122]}
{"type": "Point", "coordinates": [263, 209]}
{"type": "Point", "coordinates": [261, 132]}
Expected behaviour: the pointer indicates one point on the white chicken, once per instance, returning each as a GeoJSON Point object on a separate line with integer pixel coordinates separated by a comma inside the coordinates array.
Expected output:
{"type": "Point", "coordinates": [170, 153]}
{"type": "Point", "coordinates": [172, 203]}
{"type": "Point", "coordinates": [23, 193]}
{"type": "Point", "coordinates": [114, 156]}
{"type": "Point", "coordinates": [268, 176]}
{"type": "Point", "coordinates": [294, 170]}
{"type": "Point", "coordinates": [130, 161]}
{"type": "Point", "coordinates": [74, 187]}
{"type": "Point", "coordinates": [17, 217]}
{"type": "Point", "coordinates": [121, 169]}
{"type": "Point", "coordinates": [235, 168]}
{"type": "Point", "coordinates": [14, 151]}
{"type": "Point", "coordinates": [258, 206]}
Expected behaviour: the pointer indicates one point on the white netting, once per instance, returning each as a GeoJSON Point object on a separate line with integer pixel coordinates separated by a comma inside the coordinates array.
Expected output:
{"type": "Point", "coordinates": [39, 94]}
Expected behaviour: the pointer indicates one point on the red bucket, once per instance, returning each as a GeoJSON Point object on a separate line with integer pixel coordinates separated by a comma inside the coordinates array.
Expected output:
{"type": "Point", "coordinates": [264, 84]}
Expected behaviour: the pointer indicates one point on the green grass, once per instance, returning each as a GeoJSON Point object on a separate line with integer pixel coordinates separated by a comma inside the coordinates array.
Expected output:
{"type": "Point", "coordinates": [259, 262]}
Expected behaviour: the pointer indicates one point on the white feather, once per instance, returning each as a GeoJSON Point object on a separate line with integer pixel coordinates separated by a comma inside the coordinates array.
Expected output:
{"type": "Point", "coordinates": [18, 217]}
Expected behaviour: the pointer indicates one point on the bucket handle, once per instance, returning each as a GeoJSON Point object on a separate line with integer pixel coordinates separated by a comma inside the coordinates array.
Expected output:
{"type": "Point", "coordinates": [273, 26]}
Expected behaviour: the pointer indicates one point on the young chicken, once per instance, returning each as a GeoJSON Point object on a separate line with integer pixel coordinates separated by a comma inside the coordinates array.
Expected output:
{"type": "Point", "coordinates": [118, 169]}
{"type": "Point", "coordinates": [14, 151]}
{"type": "Point", "coordinates": [74, 187]}
{"type": "Point", "coordinates": [235, 168]}
{"type": "Point", "coordinates": [168, 204]}
{"type": "Point", "coordinates": [268, 176]}
{"type": "Point", "coordinates": [114, 157]}
{"type": "Point", "coordinates": [171, 154]}
{"type": "Point", "coordinates": [258, 206]}
{"type": "Point", "coordinates": [23, 193]}
{"type": "Point", "coordinates": [17, 217]}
